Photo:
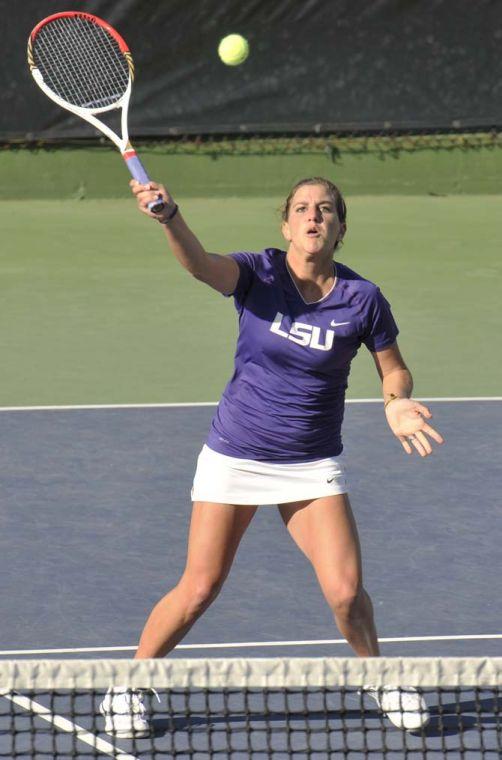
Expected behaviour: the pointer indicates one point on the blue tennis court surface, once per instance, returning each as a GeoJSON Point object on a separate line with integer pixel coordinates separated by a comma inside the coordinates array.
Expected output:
{"type": "Point", "coordinates": [94, 515]}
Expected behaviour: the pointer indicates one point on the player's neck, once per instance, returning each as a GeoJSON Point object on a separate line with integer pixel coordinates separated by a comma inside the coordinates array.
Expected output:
{"type": "Point", "coordinates": [316, 267]}
{"type": "Point", "coordinates": [314, 276]}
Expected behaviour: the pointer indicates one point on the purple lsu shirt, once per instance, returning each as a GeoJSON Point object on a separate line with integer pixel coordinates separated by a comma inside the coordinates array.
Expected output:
{"type": "Point", "coordinates": [285, 400]}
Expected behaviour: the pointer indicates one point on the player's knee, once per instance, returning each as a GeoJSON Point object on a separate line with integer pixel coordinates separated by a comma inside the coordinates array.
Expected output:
{"type": "Point", "coordinates": [200, 592]}
{"type": "Point", "coordinates": [345, 600]}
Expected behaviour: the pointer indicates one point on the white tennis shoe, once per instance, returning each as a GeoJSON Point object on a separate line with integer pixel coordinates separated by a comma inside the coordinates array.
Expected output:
{"type": "Point", "coordinates": [405, 707]}
{"type": "Point", "coordinates": [124, 712]}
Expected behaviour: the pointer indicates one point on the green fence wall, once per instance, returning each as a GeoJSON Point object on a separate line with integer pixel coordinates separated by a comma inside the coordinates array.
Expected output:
{"type": "Point", "coordinates": [76, 173]}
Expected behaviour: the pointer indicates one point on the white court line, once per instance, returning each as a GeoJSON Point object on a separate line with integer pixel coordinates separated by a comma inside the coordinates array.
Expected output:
{"type": "Point", "coordinates": [66, 725]}
{"type": "Point", "coordinates": [175, 405]}
{"type": "Point", "coordinates": [84, 407]}
{"type": "Point", "coordinates": [249, 644]}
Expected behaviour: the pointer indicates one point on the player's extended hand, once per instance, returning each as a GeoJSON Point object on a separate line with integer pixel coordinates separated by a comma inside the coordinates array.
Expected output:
{"type": "Point", "coordinates": [146, 194]}
{"type": "Point", "coordinates": [406, 420]}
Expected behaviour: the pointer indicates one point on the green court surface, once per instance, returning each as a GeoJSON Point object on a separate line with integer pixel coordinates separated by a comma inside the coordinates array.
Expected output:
{"type": "Point", "coordinates": [94, 310]}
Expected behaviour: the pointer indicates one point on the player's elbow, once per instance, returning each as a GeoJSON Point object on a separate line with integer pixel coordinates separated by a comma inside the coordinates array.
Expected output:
{"type": "Point", "coordinates": [200, 275]}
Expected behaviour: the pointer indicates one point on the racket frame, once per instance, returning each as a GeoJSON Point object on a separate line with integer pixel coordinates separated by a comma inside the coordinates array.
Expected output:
{"type": "Point", "coordinates": [122, 142]}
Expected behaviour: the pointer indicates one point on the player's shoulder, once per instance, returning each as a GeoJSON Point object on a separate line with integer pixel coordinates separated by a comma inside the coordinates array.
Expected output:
{"type": "Point", "coordinates": [261, 260]}
{"type": "Point", "coordinates": [354, 282]}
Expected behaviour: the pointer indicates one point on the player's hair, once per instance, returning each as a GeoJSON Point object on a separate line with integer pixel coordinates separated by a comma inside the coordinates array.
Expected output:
{"type": "Point", "coordinates": [341, 208]}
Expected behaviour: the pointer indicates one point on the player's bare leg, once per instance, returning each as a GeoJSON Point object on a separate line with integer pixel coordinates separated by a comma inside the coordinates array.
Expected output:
{"type": "Point", "coordinates": [215, 534]}
{"type": "Point", "coordinates": [326, 532]}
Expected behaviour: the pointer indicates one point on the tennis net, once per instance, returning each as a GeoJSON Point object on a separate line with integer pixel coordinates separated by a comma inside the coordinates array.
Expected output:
{"type": "Point", "coordinates": [312, 708]}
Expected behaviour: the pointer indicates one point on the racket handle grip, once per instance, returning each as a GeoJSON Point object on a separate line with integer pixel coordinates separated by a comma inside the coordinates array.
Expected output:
{"type": "Point", "coordinates": [138, 172]}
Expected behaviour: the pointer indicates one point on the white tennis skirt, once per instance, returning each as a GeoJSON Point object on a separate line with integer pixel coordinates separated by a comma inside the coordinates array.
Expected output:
{"type": "Point", "coordinates": [230, 480]}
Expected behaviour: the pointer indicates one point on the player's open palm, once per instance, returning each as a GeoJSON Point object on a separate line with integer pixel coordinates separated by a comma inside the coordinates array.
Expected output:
{"type": "Point", "coordinates": [408, 421]}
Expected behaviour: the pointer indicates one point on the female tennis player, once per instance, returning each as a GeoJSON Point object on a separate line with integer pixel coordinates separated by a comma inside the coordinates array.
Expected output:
{"type": "Point", "coordinates": [276, 435]}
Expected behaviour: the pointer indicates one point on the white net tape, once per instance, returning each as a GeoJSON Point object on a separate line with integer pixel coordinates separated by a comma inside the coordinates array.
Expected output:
{"type": "Point", "coordinates": [252, 673]}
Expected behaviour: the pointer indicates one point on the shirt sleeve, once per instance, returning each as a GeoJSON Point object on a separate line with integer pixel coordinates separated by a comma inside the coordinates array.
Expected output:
{"type": "Point", "coordinates": [247, 269]}
{"type": "Point", "coordinates": [381, 329]}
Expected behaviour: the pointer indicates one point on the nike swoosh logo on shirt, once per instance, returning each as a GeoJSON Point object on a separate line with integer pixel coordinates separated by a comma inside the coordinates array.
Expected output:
{"type": "Point", "coordinates": [338, 324]}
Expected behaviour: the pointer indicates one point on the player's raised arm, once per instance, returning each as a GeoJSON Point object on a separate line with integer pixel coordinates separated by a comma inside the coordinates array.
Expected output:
{"type": "Point", "coordinates": [220, 272]}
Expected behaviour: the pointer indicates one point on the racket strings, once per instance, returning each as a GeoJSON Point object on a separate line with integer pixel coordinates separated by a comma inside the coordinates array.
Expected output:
{"type": "Point", "coordinates": [81, 62]}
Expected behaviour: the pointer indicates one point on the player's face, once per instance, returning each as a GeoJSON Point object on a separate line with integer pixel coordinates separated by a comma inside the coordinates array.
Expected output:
{"type": "Point", "coordinates": [312, 225]}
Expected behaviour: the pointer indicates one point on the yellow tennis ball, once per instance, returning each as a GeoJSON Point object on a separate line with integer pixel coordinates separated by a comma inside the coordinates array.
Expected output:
{"type": "Point", "coordinates": [233, 49]}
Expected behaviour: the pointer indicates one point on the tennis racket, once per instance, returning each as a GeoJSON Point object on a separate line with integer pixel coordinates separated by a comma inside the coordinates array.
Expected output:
{"type": "Point", "coordinates": [84, 65]}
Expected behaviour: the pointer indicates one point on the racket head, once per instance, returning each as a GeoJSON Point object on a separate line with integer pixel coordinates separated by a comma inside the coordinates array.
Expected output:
{"type": "Point", "coordinates": [80, 61]}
